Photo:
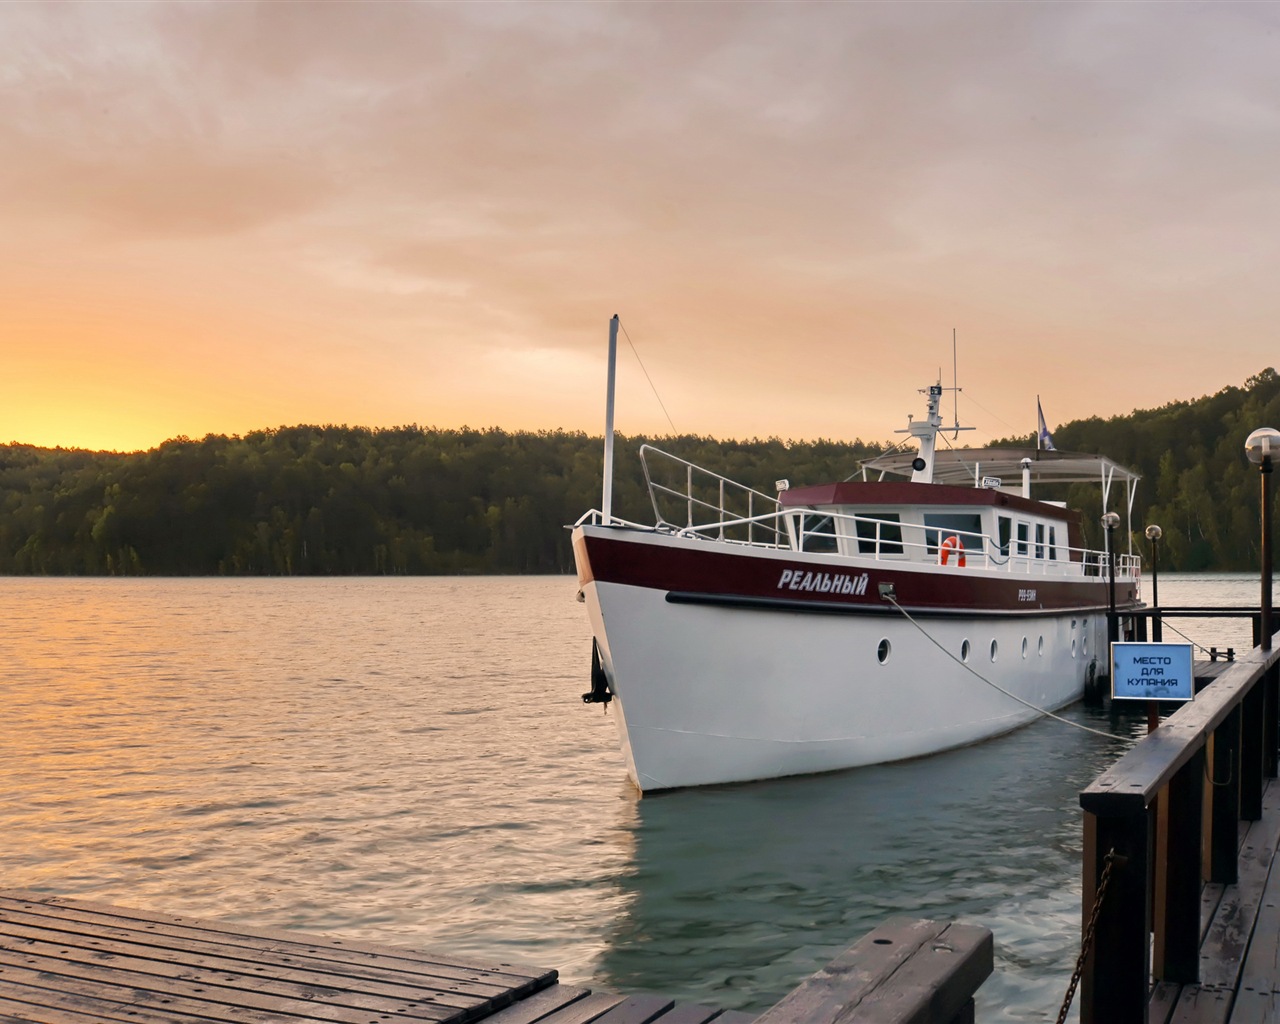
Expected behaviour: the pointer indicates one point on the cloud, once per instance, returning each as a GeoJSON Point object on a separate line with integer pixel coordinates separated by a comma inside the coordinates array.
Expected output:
{"type": "Point", "coordinates": [793, 199]}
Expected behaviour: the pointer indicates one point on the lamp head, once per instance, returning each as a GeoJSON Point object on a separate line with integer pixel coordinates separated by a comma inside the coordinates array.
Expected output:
{"type": "Point", "coordinates": [1111, 520]}
{"type": "Point", "coordinates": [1262, 445]}
{"type": "Point", "coordinates": [1154, 532]}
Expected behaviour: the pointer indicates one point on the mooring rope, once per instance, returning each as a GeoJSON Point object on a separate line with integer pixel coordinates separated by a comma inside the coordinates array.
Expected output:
{"type": "Point", "coordinates": [1200, 647]}
{"type": "Point", "coordinates": [996, 686]}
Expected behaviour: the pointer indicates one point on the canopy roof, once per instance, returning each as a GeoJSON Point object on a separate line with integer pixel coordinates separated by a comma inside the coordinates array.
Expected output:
{"type": "Point", "coordinates": [968, 465]}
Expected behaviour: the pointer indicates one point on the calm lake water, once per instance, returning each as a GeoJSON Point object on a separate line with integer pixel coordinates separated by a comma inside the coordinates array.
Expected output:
{"type": "Point", "coordinates": [408, 761]}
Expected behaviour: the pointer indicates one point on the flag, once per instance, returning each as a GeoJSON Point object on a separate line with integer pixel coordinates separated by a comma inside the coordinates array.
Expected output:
{"type": "Point", "coordinates": [1043, 438]}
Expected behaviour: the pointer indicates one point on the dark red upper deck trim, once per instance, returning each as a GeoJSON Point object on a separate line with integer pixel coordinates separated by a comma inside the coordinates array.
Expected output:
{"type": "Point", "coordinates": [900, 492]}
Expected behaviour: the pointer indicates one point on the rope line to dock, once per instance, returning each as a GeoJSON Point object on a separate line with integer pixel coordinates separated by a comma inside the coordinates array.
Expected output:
{"type": "Point", "coordinates": [997, 686]}
{"type": "Point", "coordinates": [1199, 647]}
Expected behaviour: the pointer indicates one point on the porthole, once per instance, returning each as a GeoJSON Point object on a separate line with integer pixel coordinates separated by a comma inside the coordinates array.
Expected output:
{"type": "Point", "coordinates": [1084, 643]}
{"type": "Point", "coordinates": [995, 650]}
{"type": "Point", "coordinates": [1024, 646]}
{"type": "Point", "coordinates": [964, 651]}
{"type": "Point", "coordinates": [1040, 647]}
{"type": "Point", "coordinates": [883, 651]}
{"type": "Point", "coordinates": [1073, 647]}
{"type": "Point", "coordinates": [1073, 625]}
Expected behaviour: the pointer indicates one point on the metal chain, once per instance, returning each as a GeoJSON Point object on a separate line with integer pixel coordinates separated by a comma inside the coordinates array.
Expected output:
{"type": "Point", "coordinates": [1086, 942]}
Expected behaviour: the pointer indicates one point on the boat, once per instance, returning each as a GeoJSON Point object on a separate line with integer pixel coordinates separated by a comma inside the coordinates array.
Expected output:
{"type": "Point", "coordinates": [937, 600]}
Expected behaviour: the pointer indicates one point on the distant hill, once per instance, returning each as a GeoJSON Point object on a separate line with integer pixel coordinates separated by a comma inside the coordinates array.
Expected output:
{"type": "Point", "coordinates": [1196, 482]}
{"type": "Point", "coordinates": [310, 500]}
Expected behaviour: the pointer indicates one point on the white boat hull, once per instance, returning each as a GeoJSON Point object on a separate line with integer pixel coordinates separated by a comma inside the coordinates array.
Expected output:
{"type": "Point", "coordinates": [710, 694]}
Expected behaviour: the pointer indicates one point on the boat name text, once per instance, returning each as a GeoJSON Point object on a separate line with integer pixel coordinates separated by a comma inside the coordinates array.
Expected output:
{"type": "Point", "coordinates": [823, 582]}
{"type": "Point", "coordinates": [1027, 595]}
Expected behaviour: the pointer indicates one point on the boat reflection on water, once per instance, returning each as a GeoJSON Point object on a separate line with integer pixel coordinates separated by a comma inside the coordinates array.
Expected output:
{"type": "Point", "coordinates": [737, 893]}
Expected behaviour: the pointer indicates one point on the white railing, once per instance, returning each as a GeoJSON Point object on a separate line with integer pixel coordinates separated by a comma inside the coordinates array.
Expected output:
{"type": "Point", "coordinates": [707, 500]}
{"type": "Point", "coordinates": [715, 507]}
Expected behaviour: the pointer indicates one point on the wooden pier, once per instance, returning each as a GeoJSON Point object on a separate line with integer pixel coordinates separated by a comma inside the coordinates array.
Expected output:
{"type": "Point", "coordinates": [67, 961]}
{"type": "Point", "coordinates": [1181, 907]}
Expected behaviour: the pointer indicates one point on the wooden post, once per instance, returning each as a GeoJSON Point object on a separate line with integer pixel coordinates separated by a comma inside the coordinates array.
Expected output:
{"type": "Point", "coordinates": [1113, 987]}
{"type": "Point", "coordinates": [1222, 794]}
{"type": "Point", "coordinates": [1271, 708]}
{"type": "Point", "coordinates": [1176, 913]}
{"type": "Point", "coordinates": [1252, 722]}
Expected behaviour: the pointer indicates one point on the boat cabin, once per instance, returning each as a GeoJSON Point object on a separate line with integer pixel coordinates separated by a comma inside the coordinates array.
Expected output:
{"type": "Point", "coordinates": [935, 524]}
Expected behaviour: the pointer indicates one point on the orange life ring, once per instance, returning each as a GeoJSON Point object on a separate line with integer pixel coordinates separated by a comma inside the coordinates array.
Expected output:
{"type": "Point", "coordinates": [950, 544]}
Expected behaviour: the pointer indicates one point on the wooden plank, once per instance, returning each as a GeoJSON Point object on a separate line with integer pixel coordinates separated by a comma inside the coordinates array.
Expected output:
{"type": "Point", "coordinates": [294, 975]}
{"type": "Point", "coordinates": [587, 1009]}
{"type": "Point", "coordinates": [826, 995]}
{"type": "Point", "coordinates": [1164, 997]}
{"type": "Point", "coordinates": [735, 1017]}
{"type": "Point", "coordinates": [1253, 1007]}
{"type": "Point", "coordinates": [1236, 926]}
{"type": "Point", "coordinates": [21, 1002]}
{"type": "Point", "coordinates": [637, 1010]}
{"type": "Point", "coordinates": [188, 933]}
{"type": "Point", "coordinates": [689, 1013]}
{"type": "Point", "coordinates": [561, 1004]}
{"type": "Point", "coordinates": [904, 971]}
{"type": "Point", "coordinates": [107, 986]}
{"type": "Point", "coordinates": [1260, 973]}
{"type": "Point", "coordinates": [67, 960]}
{"type": "Point", "coordinates": [1227, 939]}
{"type": "Point", "coordinates": [1199, 1005]}
{"type": "Point", "coordinates": [223, 984]}
{"type": "Point", "coordinates": [935, 984]}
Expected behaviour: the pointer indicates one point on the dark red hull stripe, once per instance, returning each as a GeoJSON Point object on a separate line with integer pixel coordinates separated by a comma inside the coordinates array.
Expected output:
{"type": "Point", "coordinates": [710, 570]}
{"type": "Point", "coordinates": [831, 608]}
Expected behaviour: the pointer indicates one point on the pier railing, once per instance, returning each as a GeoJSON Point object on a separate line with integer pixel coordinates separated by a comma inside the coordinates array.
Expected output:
{"type": "Point", "coordinates": [1161, 822]}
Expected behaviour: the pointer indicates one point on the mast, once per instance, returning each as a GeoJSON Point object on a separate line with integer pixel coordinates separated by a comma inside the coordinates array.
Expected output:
{"type": "Point", "coordinates": [925, 432]}
{"type": "Point", "coordinates": [606, 501]}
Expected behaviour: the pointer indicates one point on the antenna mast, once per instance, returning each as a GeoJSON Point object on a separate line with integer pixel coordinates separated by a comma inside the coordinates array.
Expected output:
{"type": "Point", "coordinates": [955, 384]}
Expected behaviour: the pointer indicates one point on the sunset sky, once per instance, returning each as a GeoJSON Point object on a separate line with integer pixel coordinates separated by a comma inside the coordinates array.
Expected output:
{"type": "Point", "coordinates": [224, 216]}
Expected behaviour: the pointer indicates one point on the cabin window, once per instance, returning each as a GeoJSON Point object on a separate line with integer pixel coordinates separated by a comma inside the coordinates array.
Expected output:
{"type": "Point", "coordinates": [1039, 540]}
{"type": "Point", "coordinates": [966, 525]}
{"type": "Point", "coordinates": [888, 527]}
{"type": "Point", "coordinates": [1053, 544]}
{"type": "Point", "coordinates": [1024, 531]}
{"type": "Point", "coordinates": [818, 533]}
{"type": "Point", "coordinates": [1005, 525]}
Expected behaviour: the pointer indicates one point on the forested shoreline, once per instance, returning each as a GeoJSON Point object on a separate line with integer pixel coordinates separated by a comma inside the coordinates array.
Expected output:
{"type": "Point", "coordinates": [325, 500]}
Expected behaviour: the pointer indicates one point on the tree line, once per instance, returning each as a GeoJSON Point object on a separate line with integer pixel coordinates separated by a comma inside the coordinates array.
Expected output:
{"type": "Point", "coordinates": [311, 500]}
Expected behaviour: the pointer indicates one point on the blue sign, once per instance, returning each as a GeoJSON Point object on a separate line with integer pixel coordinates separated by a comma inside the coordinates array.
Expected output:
{"type": "Point", "coordinates": [1152, 672]}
